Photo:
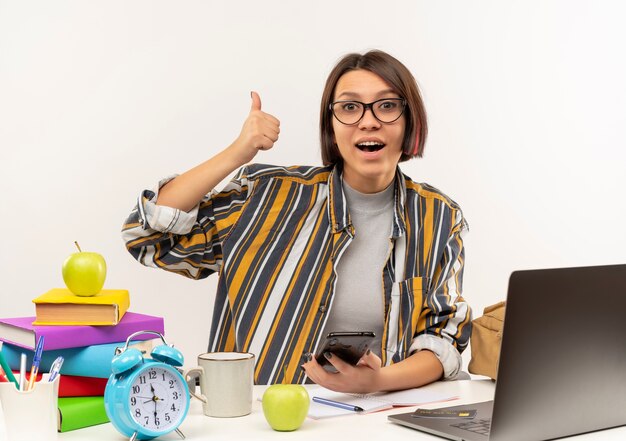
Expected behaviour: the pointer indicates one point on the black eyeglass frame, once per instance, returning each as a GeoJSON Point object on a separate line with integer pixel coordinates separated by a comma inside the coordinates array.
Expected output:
{"type": "Point", "coordinates": [365, 107]}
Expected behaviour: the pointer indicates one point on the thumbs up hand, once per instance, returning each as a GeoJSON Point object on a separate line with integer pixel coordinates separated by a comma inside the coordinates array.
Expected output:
{"type": "Point", "coordinates": [259, 132]}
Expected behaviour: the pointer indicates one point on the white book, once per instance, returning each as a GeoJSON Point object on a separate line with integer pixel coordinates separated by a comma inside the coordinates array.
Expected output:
{"type": "Point", "coordinates": [371, 402]}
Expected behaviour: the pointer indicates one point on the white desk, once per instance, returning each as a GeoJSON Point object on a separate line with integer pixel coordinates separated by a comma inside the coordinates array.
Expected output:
{"type": "Point", "coordinates": [370, 427]}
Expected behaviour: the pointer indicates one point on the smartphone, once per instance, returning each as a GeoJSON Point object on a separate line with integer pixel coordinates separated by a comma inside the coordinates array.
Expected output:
{"type": "Point", "coordinates": [349, 346]}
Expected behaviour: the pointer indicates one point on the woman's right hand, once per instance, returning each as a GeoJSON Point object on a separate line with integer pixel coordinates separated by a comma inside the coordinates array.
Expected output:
{"type": "Point", "coordinates": [259, 132]}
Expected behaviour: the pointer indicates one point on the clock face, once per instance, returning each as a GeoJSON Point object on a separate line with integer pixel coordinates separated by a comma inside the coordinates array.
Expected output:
{"type": "Point", "coordinates": [157, 399]}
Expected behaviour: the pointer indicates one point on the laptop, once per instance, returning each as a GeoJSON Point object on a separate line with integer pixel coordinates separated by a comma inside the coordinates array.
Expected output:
{"type": "Point", "coordinates": [562, 368]}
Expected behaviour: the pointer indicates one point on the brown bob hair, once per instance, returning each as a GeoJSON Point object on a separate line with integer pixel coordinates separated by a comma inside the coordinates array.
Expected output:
{"type": "Point", "coordinates": [401, 81]}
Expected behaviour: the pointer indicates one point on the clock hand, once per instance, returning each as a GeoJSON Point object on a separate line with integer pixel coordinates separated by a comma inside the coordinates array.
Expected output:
{"type": "Point", "coordinates": [155, 397]}
{"type": "Point", "coordinates": [155, 408]}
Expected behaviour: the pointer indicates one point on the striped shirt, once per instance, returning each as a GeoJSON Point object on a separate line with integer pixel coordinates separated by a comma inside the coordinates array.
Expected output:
{"type": "Point", "coordinates": [275, 235]}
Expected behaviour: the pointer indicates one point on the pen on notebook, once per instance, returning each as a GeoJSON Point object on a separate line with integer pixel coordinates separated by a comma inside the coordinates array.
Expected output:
{"type": "Point", "coordinates": [337, 404]}
{"type": "Point", "coordinates": [55, 368]}
{"type": "Point", "coordinates": [34, 370]}
{"type": "Point", "coordinates": [7, 371]}
{"type": "Point", "coordinates": [22, 371]}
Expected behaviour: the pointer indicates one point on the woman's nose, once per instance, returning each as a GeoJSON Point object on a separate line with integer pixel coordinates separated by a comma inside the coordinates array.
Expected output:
{"type": "Point", "coordinates": [369, 121]}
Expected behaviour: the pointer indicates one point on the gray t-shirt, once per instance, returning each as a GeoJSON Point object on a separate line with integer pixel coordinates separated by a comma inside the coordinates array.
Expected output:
{"type": "Point", "coordinates": [358, 304]}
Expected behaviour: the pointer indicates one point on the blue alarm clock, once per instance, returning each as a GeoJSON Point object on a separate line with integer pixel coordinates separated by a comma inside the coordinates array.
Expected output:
{"type": "Point", "coordinates": [146, 397]}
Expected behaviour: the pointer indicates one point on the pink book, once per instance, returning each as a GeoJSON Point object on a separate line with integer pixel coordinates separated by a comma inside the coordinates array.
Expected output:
{"type": "Point", "coordinates": [21, 332]}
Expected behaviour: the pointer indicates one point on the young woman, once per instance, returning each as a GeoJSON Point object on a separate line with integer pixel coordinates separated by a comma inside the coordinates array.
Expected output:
{"type": "Point", "coordinates": [354, 245]}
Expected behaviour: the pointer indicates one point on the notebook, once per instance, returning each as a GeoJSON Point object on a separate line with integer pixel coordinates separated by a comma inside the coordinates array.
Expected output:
{"type": "Point", "coordinates": [562, 368]}
{"type": "Point", "coordinates": [371, 402]}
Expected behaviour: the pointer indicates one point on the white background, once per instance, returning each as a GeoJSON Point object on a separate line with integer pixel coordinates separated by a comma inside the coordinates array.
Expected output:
{"type": "Point", "coordinates": [98, 100]}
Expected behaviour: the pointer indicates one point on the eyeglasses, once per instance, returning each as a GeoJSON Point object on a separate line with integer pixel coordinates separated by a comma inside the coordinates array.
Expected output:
{"type": "Point", "coordinates": [385, 110]}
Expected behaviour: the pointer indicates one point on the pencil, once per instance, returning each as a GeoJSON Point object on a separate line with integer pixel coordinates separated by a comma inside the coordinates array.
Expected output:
{"type": "Point", "coordinates": [7, 371]}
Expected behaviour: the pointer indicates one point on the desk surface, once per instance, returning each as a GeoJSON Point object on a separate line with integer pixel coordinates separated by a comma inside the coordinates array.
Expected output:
{"type": "Point", "coordinates": [352, 427]}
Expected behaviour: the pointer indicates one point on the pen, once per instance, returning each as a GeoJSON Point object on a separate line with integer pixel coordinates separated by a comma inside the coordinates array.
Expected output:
{"type": "Point", "coordinates": [7, 370]}
{"type": "Point", "coordinates": [55, 368]}
{"type": "Point", "coordinates": [337, 404]}
{"type": "Point", "coordinates": [22, 371]}
{"type": "Point", "coordinates": [34, 370]}
{"type": "Point", "coordinates": [3, 376]}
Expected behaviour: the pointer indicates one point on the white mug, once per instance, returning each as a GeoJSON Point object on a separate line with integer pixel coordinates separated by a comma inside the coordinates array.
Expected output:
{"type": "Point", "coordinates": [226, 380]}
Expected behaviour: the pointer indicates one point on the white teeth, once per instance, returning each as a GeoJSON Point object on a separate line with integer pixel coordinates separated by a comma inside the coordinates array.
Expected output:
{"type": "Point", "coordinates": [370, 143]}
{"type": "Point", "coordinates": [370, 146]}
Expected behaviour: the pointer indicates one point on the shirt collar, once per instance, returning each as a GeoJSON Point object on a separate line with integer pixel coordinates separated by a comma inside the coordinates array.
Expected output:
{"type": "Point", "coordinates": [338, 207]}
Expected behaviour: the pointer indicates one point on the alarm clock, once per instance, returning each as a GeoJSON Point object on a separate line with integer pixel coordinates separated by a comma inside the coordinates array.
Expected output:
{"type": "Point", "coordinates": [146, 397]}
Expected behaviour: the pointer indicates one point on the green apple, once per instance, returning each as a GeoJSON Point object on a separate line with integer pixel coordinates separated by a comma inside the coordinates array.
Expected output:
{"type": "Point", "coordinates": [84, 273]}
{"type": "Point", "coordinates": [285, 406]}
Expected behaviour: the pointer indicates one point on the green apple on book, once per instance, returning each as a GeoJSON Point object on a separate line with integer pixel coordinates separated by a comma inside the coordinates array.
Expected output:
{"type": "Point", "coordinates": [285, 406]}
{"type": "Point", "coordinates": [84, 272]}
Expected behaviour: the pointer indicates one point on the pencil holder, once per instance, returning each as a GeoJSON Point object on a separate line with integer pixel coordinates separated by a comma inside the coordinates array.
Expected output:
{"type": "Point", "coordinates": [31, 415]}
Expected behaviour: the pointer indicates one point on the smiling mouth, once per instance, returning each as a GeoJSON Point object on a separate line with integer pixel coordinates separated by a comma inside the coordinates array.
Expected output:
{"type": "Point", "coordinates": [370, 146]}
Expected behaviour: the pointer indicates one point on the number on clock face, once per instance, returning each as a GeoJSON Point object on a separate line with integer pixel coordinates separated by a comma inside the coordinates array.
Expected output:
{"type": "Point", "coordinates": [157, 399]}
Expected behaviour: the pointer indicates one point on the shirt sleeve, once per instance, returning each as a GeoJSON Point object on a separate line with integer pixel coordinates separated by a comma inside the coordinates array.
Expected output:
{"type": "Point", "coordinates": [187, 243]}
{"type": "Point", "coordinates": [450, 319]}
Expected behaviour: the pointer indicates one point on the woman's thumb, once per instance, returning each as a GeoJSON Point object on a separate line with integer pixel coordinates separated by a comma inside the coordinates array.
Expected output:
{"type": "Point", "coordinates": [256, 101]}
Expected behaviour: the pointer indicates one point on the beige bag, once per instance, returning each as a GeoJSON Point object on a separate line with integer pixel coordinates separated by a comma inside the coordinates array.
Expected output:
{"type": "Point", "coordinates": [485, 341]}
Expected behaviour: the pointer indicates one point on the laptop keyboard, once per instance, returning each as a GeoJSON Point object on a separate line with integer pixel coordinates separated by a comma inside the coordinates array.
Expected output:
{"type": "Point", "coordinates": [481, 426]}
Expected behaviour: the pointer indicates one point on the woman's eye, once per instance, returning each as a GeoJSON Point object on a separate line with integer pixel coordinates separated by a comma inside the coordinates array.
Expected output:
{"type": "Point", "coordinates": [387, 105]}
{"type": "Point", "coordinates": [350, 107]}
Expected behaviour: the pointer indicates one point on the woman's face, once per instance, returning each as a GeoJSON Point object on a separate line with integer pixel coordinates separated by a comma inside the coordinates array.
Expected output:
{"type": "Point", "coordinates": [370, 149]}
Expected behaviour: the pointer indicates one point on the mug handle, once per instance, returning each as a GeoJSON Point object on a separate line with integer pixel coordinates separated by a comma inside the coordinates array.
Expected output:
{"type": "Point", "coordinates": [192, 374]}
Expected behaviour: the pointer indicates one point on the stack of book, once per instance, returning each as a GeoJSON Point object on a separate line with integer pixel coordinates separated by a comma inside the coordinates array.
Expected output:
{"type": "Point", "coordinates": [85, 331]}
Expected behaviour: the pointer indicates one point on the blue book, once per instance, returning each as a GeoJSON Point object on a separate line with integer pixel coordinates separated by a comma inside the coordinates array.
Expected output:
{"type": "Point", "coordinates": [88, 361]}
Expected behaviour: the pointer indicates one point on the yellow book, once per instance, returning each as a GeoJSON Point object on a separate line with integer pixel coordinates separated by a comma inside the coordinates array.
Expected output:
{"type": "Point", "coordinates": [60, 306]}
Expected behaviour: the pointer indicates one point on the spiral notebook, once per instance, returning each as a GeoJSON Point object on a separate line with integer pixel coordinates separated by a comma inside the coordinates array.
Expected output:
{"type": "Point", "coordinates": [371, 402]}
